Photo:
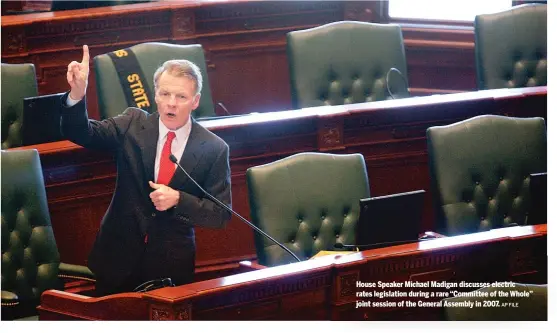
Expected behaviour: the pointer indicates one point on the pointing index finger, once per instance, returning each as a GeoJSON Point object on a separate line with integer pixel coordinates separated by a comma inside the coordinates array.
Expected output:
{"type": "Point", "coordinates": [85, 59]}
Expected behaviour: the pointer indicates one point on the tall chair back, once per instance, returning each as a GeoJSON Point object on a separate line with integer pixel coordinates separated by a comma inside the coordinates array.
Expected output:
{"type": "Point", "coordinates": [308, 202]}
{"type": "Point", "coordinates": [480, 171]}
{"type": "Point", "coordinates": [511, 47]}
{"type": "Point", "coordinates": [30, 258]}
{"type": "Point", "coordinates": [18, 81]}
{"type": "Point", "coordinates": [346, 62]}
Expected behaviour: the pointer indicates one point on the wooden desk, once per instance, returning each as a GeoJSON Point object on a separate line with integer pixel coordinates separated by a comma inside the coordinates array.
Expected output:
{"type": "Point", "coordinates": [325, 288]}
{"type": "Point", "coordinates": [244, 43]}
{"type": "Point", "coordinates": [390, 135]}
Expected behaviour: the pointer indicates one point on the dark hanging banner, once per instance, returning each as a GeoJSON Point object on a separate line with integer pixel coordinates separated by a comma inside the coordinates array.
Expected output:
{"type": "Point", "coordinates": [132, 79]}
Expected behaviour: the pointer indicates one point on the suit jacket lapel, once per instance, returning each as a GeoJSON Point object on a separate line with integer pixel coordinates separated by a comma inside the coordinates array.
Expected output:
{"type": "Point", "coordinates": [148, 144]}
{"type": "Point", "coordinates": [193, 153]}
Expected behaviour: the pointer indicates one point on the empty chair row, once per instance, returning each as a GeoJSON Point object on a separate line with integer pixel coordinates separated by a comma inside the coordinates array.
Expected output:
{"type": "Point", "coordinates": [338, 63]}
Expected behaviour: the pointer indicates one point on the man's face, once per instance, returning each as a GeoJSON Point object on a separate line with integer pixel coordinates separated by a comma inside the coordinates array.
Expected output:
{"type": "Point", "coordinates": [176, 99]}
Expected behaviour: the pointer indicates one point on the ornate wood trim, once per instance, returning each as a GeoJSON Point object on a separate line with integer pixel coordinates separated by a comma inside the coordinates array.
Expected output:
{"type": "Point", "coordinates": [266, 291]}
{"type": "Point", "coordinates": [346, 286]}
{"type": "Point", "coordinates": [164, 312]}
{"type": "Point", "coordinates": [330, 133]}
{"type": "Point", "coordinates": [183, 23]}
{"type": "Point", "coordinates": [13, 41]}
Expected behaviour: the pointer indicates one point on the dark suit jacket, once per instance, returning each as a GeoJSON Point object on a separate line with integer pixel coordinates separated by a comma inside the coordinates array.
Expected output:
{"type": "Point", "coordinates": [120, 246]}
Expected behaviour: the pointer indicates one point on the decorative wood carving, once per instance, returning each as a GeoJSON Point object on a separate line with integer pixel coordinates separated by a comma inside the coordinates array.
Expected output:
{"type": "Point", "coordinates": [183, 312]}
{"type": "Point", "coordinates": [331, 136]}
{"type": "Point", "coordinates": [183, 23]}
{"type": "Point", "coordinates": [268, 290]}
{"type": "Point", "coordinates": [347, 284]}
{"type": "Point", "coordinates": [100, 24]}
{"type": "Point", "coordinates": [160, 314]}
{"type": "Point", "coordinates": [13, 41]}
{"type": "Point", "coordinates": [331, 133]}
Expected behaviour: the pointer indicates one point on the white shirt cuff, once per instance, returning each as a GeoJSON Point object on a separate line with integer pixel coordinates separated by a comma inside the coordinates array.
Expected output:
{"type": "Point", "coordinates": [71, 102]}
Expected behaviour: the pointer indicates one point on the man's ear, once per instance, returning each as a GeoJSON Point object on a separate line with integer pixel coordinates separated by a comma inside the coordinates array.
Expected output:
{"type": "Point", "coordinates": [156, 95]}
{"type": "Point", "coordinates": [196, 100]}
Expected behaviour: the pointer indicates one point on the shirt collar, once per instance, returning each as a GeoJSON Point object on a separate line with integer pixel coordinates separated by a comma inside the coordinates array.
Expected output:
{"type": "Point", "coordinates": [181, 134]}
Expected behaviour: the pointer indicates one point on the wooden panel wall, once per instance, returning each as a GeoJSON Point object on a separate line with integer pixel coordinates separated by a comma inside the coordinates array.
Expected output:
{"type": "Point", "coordinates": [244, 43]}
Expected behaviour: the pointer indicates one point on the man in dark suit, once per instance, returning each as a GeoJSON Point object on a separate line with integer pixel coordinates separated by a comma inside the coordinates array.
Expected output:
{"type": "Point", "coordinates": [147, 232]}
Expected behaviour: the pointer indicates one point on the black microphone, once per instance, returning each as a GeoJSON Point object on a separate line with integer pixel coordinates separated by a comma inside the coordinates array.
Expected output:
{"type": "Point", "coordinates": [221, 204]}
{"type": "Point", "coordinates": [393, 69]}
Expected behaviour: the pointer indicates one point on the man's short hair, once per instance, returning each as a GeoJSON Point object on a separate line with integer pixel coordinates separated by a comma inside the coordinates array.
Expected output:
{"type": "Point", "coordinates": [181, 68]}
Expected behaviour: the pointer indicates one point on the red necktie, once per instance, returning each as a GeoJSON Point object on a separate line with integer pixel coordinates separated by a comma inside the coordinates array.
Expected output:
{"type": "Point", "coordinates": [166, 167]}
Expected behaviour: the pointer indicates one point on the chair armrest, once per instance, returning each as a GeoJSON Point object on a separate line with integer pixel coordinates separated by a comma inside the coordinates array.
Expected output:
{"type": "Point", "coordinates": [251, 265]}
{"type": "Point", "coordinates": [76, 272]}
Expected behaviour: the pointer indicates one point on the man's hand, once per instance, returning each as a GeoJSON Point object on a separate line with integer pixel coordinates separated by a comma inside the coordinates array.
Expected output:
{"type": "Point", "coordinates": [163, 197]}
{"type": "Point", "coordinates": [78, 75]}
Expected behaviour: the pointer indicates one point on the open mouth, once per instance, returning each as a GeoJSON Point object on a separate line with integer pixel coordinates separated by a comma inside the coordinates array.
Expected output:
{"type": "Point", "coordinates": [171, 115]}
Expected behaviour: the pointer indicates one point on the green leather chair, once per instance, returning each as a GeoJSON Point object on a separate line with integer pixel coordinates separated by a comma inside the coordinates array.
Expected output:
{"type": "Point", "coordinates": [480, 170]}
{"type": "Point", "coordinates": [30, 258]}
{"type": "Point", "coordinates": [531, 308]}
{"type": "Point", "coordinates": [511, 48]}
{"type": "Point", "coordinates": [18, 81]}
{"type": "Point", "coordinates": [346, 62]}
{"type": "Point", "coordinates": [150, 56]}
{"type": "Point", "coordinates": [307, 202]}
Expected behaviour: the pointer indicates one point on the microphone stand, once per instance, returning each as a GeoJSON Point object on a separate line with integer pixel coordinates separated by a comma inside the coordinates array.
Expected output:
{"type": "Point", "coordinates": [228, 209]}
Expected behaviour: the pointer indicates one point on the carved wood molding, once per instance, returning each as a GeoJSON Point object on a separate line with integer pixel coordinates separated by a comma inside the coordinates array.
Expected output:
{"type": "Point", "coordinates": [330, 133]}
{"type": "Point", "coordinates": [266, 291]}
{"type": "Point", "coordinates": [183, 313]}
{"type": "Point", "coordinates": [265, 16]}
{"type": "Point", "coordinates": [345, 286]}
{"type": "Point", "coordinates": [396, 266]}
{"type": "Point", "coordinates": [525, 259]}
{"type": "Point", "coordinates": [183, 23]}
{"type": "Point", "coordinates": [288, 287]}
{"type": "Point", "coordinates": [13, 41]}
{"type": "Point", "coordinates": [100, 24]}
{"type": "Point", "coordinates": [258, 9]}
{"type": "Point", "coordinates": [161, 312]}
